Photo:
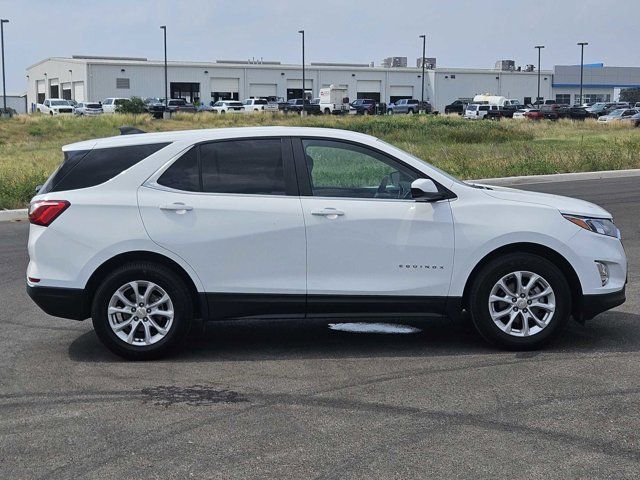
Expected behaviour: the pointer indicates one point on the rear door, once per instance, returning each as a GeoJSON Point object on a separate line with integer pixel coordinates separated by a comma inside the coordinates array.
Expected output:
{"type": "Point", "coordinates": [230, 209]}
{"type": "Point", "coordinates": [371, 249]}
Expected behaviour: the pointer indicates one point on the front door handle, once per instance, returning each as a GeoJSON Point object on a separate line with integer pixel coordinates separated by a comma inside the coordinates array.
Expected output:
{"type": "Point", "coordinates": [177, 207]}
{"type": "Point", "coordinates": [327, 212]}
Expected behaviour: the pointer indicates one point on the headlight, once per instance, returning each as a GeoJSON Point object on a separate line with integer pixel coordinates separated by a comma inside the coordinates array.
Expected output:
{"type": "Point", "coordinates": [603, 226]}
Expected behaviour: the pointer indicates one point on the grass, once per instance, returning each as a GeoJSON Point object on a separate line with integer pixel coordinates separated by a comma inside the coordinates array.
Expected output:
{"type": "Point", "coordinates": [30, 145]}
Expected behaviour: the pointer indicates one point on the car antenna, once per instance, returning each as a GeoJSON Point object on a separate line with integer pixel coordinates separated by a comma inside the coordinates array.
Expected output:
{"type": "Point", "coordinates": [130, 130]}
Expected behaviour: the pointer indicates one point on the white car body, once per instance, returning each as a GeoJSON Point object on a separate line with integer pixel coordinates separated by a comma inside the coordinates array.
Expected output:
{"type": "Point", "coordinates": [88, 108]}
{"type": "Point", "coordinates": [475, 111]}
{"type": "Point", "coordinates": [228, 106]}
{"type": "Point", "coordinates": [252, 105]}
{"type": "Point", "coordinates": [55, 106]}
{"type": "Point", "coordinates": [617, 115]}
{"type": "Point", "coordinates": [110, 104]}
{"type": "Point", "coordinates": [298, 253]}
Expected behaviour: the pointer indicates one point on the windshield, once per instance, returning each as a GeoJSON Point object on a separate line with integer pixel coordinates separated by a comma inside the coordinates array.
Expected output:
{"type": "Point", "coordinates": [617, 113]}
{"type": "Point", "coordinates": [60, 103]}
{"type": "Point", "coordinates": [233, 104]}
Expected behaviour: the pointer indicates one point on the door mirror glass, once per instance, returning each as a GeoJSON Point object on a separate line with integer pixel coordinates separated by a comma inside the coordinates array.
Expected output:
{"type": "Point", "coordinates": [425, 190]}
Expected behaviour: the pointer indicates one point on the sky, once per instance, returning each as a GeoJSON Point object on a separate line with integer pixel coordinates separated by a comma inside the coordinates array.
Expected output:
{"type": "Point", "coordinates": [460, 33]}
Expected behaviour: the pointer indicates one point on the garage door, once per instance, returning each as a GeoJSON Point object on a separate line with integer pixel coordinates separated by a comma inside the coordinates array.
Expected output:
{"type": "Point", "coordinates": [368, 86]}
{"type": "Point", "coordinates": [261, 90]}
{"type": "Point", "coordinates": [401, 91]}
{"type": "Point", "coordinates": [225, 84]}
{"type": "Point", "coordinates": [78, 91]}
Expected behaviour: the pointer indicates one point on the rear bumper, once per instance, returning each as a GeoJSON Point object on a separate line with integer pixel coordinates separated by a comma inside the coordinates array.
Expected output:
{"type": "Point", "coordinates": [60, 302]}
{"type": "Point", "coordinates": [592, 305]}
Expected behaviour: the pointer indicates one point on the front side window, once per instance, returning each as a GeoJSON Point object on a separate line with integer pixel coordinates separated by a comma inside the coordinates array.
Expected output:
{"type": "Point", "coordinates": [338, 169]}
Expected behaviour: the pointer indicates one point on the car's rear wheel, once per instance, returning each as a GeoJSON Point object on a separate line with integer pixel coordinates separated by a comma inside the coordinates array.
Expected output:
{"type": "Point", "coordinates": [142, 311]}
{"type": "Point", "coordinates": [520, 301]}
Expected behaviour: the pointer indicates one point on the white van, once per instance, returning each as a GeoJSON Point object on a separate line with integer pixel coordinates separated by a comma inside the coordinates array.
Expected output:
{"type": "Point", "coordinates": [476, 111]}
{"type": "Point", "coordinates": [332, 100]}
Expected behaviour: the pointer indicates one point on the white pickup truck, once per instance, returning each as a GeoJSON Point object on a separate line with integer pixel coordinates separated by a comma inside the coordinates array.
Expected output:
{"type": "Point", "coordinates": [333, 100]}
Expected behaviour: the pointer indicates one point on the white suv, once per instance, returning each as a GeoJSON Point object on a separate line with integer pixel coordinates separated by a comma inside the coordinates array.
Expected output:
{"type": "Point", "coordinates": [146, 232]}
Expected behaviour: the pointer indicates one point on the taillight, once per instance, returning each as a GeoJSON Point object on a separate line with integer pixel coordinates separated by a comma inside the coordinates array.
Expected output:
{"type": "Point", "coordinates": [43, 212]}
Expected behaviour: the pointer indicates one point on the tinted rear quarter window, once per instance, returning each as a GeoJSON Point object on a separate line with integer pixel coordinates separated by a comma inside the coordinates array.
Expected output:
{"type": "Point", "coordinates": [184, 173]}
{"type": "Point", "coordinates": [88, 168]}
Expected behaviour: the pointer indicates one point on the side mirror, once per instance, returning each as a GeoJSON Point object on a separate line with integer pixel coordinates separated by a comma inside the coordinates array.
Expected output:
{"type": "Point", "coordinates": [38, 188]}
{"type": "Point", "coordinates": [425, 190]}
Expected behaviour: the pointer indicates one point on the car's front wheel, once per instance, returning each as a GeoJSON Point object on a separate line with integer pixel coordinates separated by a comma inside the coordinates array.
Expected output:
{"type": "Point", "coordinates": [520, 301]}
{"type": "Point", "coordinates": [142, 311]}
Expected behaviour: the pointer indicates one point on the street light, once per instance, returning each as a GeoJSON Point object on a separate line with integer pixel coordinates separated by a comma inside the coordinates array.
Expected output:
{"type": "Point", "coordinates": [304, 98]}
{"type": "Point", "coordinates": [4, 88]}
{"type": "Point", "coordinates": [166, 91]}
{"type": "Point", "coordinates": [424, 45]}
{"type": "Point", "coordinates": [582, 44]}
{"type": "Point", "coordinates": [539, 47]}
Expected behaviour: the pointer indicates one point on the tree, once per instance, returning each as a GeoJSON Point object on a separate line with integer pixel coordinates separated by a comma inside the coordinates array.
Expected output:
{"type": "Point", "coordinates": [631, 95]}
{"type": "Point", "coordinates": [133, 105]}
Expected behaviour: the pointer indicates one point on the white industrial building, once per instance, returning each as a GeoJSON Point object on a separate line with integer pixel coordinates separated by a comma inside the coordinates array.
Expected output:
{"type": "Point", "coordinates": [96, 78]}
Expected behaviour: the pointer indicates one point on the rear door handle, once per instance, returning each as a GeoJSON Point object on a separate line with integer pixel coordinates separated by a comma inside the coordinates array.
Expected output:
{"type": "Point", "coordinates": [327, 212]}
{"type": "Point", "coordinates": [176, 207]}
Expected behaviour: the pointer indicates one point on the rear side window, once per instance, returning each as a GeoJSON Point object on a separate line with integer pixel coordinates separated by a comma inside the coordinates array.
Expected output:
{"type": "Point", "coordinates": [243, 166]}
{"type": "Point", "coordinates": [88, 168]}
{"type": "Point", "coordinates": [184, 173]}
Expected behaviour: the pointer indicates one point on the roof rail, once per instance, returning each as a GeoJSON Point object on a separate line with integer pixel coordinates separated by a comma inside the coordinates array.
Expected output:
{"type": "Point", "coordinates": [130, 130]}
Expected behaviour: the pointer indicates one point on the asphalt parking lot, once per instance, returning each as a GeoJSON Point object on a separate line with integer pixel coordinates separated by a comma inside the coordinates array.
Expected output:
{"type": "Point", "coordinates": [286, 400]}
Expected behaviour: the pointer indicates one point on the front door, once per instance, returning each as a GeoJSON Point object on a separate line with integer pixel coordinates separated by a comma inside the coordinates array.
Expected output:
{"type": "Point", "coordinates": [231, 210]}
{"type": "Point", "coordinates": [371, 249]}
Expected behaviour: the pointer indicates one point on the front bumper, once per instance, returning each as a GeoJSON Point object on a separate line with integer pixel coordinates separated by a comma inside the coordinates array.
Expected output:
{"type": "Point", "coordinates": [60, 302]}
{"type": "Point", "coordinates": [592, 305]}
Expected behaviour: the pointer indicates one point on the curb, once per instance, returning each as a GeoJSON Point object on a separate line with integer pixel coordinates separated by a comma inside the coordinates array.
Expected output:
{"type": "Point", "coordinates": [13, 215]}
{"type": "Point", "coordinates": [21, 214]}
{"type": "Point", "coordinates": [560, 177]}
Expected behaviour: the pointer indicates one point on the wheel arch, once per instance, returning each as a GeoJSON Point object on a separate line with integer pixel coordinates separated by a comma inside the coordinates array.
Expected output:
{"type": "Point", "coordinates": [199, 303]}
{"type": "Point", "coordinates": [537, 249]}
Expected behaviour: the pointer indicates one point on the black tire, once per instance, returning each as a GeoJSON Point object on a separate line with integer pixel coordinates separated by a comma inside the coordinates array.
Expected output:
{"type": "Point", "coordinates": [492, 273]}
{"type": "Point", "coordinates": [410, 112]}
{"type": "Point", "coordinates": [170, 283]}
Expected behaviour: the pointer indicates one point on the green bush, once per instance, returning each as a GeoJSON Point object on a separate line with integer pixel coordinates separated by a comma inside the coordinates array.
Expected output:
{"type": "Point", "coordinates": [134, 106]}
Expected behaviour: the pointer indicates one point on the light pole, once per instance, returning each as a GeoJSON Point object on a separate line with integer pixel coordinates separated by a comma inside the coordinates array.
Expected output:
{"type": "Point", "coordinates": [582, 44]}
{"type": "Point", "coordinates": [424, 46]}
{"type": "Point", "coordinates": [539, 47]}
{"type": "Point", "coordinates": [4, 88]}
{"type": "Point", "coordinates": [166, 91]}
{"type": "Point", "coordinates": [304, 97]}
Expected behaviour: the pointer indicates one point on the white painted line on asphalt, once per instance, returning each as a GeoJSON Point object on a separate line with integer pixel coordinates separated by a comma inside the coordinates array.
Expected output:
{"type": "Point", "coordinates": [559, 177]}
{"type": "Point", "coordinates": [373, 328]}
{"type": "Point", "coordinates": [13, 215]}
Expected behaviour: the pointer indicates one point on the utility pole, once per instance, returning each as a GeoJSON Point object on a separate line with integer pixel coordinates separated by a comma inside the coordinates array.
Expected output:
{"type": "Point", "coordinates": [304, 97]}
{"type": "Point", "coordinates": [166, 90]}
{"type": "Point", "coordinates": [582, 44]}
{"type": "Point", "coordinates": [539, 47]}
{"type": "Point", "coordinates": [4, 87]}
{"type": "Point", "coordinates": [424, 46]}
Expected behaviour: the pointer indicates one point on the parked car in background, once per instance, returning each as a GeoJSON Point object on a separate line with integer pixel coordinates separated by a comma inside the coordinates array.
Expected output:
{"type": "Point", "coordinates": [88, 108]}
{"type": "Point", "coordinates": [154, 106]}
{"type": "Point", "coordinates": [363, 106]}
{"type": "Point", "coordinates": [227, 106]}
{"type": "Point", "coordinates": [634, 119]}
{"type": "Point", "coordinates": [295, 105]}
{"type": "Point", "coordinates": [109, 105]}
{"type": "Point", "coordinates": [533, 114]}
{"type": "Point", "coordinates": [408, 106]}
{"type": "Point", "coordinates": [597, 109]}
{"type": "Point", "coordinates": [573, 112]}
{"type": "Point", "coordinates": [474, 111]}
{"type": "Point", "coordinates": [457, 106]}
{"type": "Point", "coordinates": [334, 100]}
{"type": "Point", "coordinates": [617, 115]}
{"type": "Point", "coordinates": [637, 105]}
{"type": "Point", "coordinates": [181, 105]}
{"type": "Point", "coordinates": [615, 106]}
{"type": "Point", "coordinates": [195, 233]}
{"type": "Point", "coordinates": [254, 104]}
{"type": "Point", "coordinates": [55, 106]}
{"type": "Point", "coordinates": [550, 111]}
{"type": "Point", "coordinates": [73, 103]}
{"type": "Point", "coordinates": [275, 104]}
{"type": "Point", "coordinates": [520, 113]}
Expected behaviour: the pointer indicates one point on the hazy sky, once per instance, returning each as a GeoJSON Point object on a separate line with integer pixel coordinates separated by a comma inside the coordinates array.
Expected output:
{"type": "Point", "coordinates": [460, 33]}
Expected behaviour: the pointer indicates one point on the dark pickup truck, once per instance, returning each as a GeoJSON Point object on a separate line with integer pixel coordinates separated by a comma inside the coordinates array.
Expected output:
{"type": "Point", "coordinates": [503, 112]}
{"type": "Point", "coordinates": [295, 105]}
{"type": "Point", "coordinates": [457, 106]}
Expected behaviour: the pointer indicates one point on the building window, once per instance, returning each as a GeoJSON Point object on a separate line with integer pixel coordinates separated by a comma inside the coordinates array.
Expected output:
{"type": "Point", "coordinates": [453, 76]}
{"type": "Point", "coordinates": [592, 97]}
{"type": "Point", "coordinates": [563, 98]}
{"type": "Point", "coordinates": [224, 96]}
{"type": "Point", "coordinates": [122, 83]}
